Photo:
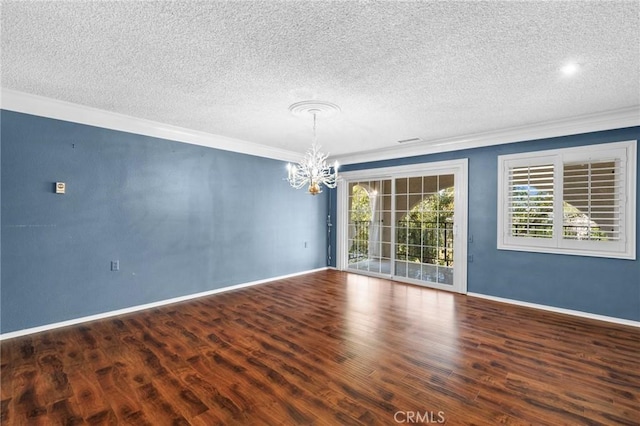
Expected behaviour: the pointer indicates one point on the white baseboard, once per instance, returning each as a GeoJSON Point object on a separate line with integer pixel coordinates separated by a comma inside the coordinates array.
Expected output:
{"type": "Point", "coordinates": [131, 309]}
{"type": "Point", "coordinates": [558, 310]}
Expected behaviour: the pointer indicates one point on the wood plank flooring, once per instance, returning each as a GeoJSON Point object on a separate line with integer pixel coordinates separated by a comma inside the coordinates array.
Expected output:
{"type": "Point", "coordinates": [328, 348]}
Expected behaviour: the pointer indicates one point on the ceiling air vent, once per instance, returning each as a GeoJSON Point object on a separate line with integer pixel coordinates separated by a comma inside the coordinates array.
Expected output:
{"type": "Point", "coordinates": [410, 140]}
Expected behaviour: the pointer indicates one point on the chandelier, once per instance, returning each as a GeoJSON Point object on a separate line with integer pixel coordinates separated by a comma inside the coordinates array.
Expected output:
{"type": "Point", "coordinates": [313, 169]}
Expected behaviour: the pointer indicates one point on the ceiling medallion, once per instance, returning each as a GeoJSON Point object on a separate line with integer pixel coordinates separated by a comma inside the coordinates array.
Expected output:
{"type": "Point", "coordinates": [313, 169]}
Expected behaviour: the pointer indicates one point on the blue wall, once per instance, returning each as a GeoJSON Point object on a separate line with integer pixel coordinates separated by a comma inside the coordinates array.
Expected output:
{"type": "Point", "coordinates": [180, 218]}
{"type": "Point", "coordinates": [608, 287]}
{"type": "Point", "coordinates": [183, 219]}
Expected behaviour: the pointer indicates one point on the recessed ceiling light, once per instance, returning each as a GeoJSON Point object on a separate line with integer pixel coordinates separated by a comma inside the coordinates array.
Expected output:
{"type": "Point", "coordinates": [570, 69]}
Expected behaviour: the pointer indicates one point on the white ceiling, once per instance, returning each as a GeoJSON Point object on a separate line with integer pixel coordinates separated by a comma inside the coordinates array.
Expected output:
{"type": "Point", "coordinates": [398, 70]}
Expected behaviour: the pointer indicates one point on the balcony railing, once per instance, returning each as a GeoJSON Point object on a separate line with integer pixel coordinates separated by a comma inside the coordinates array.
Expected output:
{"type": "Point", "coordinates": [424, 242]}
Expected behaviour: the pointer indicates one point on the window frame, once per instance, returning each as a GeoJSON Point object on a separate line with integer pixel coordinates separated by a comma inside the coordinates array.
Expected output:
{"type": "Point", "coordinates": [625, 248]}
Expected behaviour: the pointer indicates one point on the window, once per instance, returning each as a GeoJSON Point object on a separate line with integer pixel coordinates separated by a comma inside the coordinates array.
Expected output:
{"type": "Point", "coordinates": [578, 201]}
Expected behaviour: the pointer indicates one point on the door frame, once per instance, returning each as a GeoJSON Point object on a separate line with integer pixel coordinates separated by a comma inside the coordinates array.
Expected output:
{"type": "Point", "coordinates": [459, 168]}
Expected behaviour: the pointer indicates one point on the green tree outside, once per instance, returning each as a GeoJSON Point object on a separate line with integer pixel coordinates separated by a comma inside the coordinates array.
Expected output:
{"type": "Point", "coordinates": [532, 216]}
{"type": "Point", "coordinates": [360, 217]}
{"type": "Point", "coordinates": [425, 234]}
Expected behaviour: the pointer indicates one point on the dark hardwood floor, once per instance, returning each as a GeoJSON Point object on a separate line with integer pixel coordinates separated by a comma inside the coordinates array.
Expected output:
{"type": "Point", "coordinates": [328, 348]}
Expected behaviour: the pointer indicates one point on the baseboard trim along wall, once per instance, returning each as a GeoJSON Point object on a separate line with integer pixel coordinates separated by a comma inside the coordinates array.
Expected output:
{"type": "Point", "coordinates": [615, 320]}
{"type": "Point", "coordinates": [131, 309]}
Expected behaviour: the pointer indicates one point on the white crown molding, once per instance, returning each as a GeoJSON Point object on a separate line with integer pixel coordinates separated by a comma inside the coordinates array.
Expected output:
{"type": "Point", "coordinates": [581, 314]}
{"type": "Point", "coordinates": [615, 119]}
{"type": "Point", "coordinates": [152, 305]}
{"type": "Point", "coordinates": [27, 103]}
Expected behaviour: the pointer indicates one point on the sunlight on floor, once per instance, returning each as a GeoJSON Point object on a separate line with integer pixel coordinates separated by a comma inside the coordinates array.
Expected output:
{"type": "Point", "coordinates": [428, 315]}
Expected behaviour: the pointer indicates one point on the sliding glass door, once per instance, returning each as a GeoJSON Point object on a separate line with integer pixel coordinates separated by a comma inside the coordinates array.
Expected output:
{"type": "Point", "coordinates": [407, 227]}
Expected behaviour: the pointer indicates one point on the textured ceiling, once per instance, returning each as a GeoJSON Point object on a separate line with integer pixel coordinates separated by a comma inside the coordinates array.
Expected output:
{"type": "Point", "coordinates": [398, 70]}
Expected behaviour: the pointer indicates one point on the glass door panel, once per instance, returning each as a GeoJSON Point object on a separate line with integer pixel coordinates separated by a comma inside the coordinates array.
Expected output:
{"type": "Point", "coordinates": [424, 228]}
{"type": "Point", "coordinates": [369, 228]}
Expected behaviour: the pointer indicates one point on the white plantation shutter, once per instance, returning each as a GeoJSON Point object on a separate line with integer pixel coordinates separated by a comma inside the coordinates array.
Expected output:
{"type": "Point", "coordinates": [592, 197]}
{"type": "Point", "coordinates": [530, 201]}
{"type": "Point", "coordinates": [577, 201]}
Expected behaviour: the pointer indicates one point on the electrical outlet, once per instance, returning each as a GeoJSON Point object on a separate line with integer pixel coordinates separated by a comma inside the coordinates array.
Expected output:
{"type": "Point", "coordinates": [115, 265]}
{"type": "Point", "coordinates": [306, 244]}
{"type": "Point", "coordinates": [470, 258]}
